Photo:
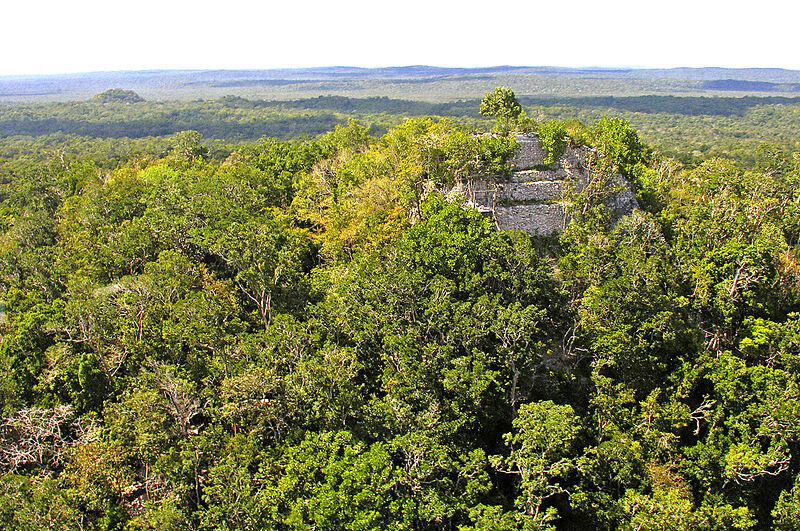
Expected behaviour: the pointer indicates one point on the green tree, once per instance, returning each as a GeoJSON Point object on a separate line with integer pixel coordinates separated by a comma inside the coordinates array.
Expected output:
{"type": "Point", "coordinates": [553, 135]}
{"type": "Point", "coordinates": [503, 105]}
{"type": "Point", "coordinates": [620, 144]}
{"type": "Point", "coordinates": [540, 445]}
{"type": "Point", "coordinates": [187, 145]}
{"type": "Point", "coordinates": [267, 257]}
{"type": "Point", "coordinates": [329, 480]}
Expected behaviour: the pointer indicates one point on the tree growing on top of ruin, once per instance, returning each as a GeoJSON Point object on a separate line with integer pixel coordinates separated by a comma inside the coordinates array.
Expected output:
{"type": "Point", "coordinates": [503, 105]}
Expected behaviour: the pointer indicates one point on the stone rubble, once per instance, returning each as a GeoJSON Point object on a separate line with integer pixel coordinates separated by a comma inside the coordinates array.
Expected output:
{"type": "Point", "coordinates": [531, 199]}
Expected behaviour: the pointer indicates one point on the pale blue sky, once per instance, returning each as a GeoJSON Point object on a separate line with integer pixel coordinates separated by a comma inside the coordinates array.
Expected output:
{"type": "Point", "coordinates": [38, 36]}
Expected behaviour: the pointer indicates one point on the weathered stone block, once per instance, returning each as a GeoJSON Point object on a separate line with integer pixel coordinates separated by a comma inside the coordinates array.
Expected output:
{"type": "Point", "coordinates": [540, 220]}
{"type": "Point", "coordinates": [529, 154]}
{"type": "Point", "coordinates": [533, 191]}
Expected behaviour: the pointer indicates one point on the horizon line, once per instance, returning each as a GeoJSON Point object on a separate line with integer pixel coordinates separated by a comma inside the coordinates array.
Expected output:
{"type": "Point", "coordinates": [387, 67]}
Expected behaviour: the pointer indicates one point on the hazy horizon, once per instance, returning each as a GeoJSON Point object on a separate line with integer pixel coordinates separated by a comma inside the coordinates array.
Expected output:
{"type": "Point", "coordinates": [51, 38]}
{"type": "Point", "coordinates": [395, 67]}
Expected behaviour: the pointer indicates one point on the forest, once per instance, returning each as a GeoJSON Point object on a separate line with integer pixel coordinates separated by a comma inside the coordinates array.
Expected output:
{"type": "Point", "coordinates": [219, 332]}
{"type": "Point", "coordinates": [688, 128]}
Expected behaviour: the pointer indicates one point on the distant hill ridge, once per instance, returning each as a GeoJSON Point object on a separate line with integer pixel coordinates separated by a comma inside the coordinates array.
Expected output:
{"type": "Point", "coordinates": [414, 82]}
{"type": "Point", "coordinates": [777, 75]}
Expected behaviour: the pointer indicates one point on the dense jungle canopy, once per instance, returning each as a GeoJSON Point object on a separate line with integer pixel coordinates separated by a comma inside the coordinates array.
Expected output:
{"type": "Point", "coordinates": [308, 334]}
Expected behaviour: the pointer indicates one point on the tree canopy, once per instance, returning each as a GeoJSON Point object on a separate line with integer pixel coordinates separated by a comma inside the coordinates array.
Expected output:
{"type": "Point", "coordinates": [502, 104]}
{"type": "Point", "coordinates": [312, 333]}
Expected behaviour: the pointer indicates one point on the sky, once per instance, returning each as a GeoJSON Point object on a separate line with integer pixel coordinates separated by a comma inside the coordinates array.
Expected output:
{"type": "Point", "coordinates": [48, 37]}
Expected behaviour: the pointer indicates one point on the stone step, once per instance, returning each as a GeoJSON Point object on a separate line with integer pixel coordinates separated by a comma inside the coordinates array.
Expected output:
{"type": "Point", "coordinates": [540, 220]}
{"type": "Point", "coordinates": [532, 191]}
{"type": "Point", "coordinates": [538, 175]}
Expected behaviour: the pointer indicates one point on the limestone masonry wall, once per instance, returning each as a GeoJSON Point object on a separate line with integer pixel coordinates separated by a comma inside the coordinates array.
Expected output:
{"type": "Point", "coordinates": [531, 198]}
{"type": "Point", "coordinates": [530, 153]}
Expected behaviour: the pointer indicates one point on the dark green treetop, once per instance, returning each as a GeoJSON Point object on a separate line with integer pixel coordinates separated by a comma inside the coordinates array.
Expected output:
{"type": "Point", "coordinates": [118, 95]}
{"type": "Point", "coordinates": [503, 105]}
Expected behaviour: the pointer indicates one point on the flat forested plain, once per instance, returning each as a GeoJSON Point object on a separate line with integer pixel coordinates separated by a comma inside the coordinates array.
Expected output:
{"type": "Point", "coordinates": [686, 113]}
{"type": "Point", "coordinates": [262, 309]}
